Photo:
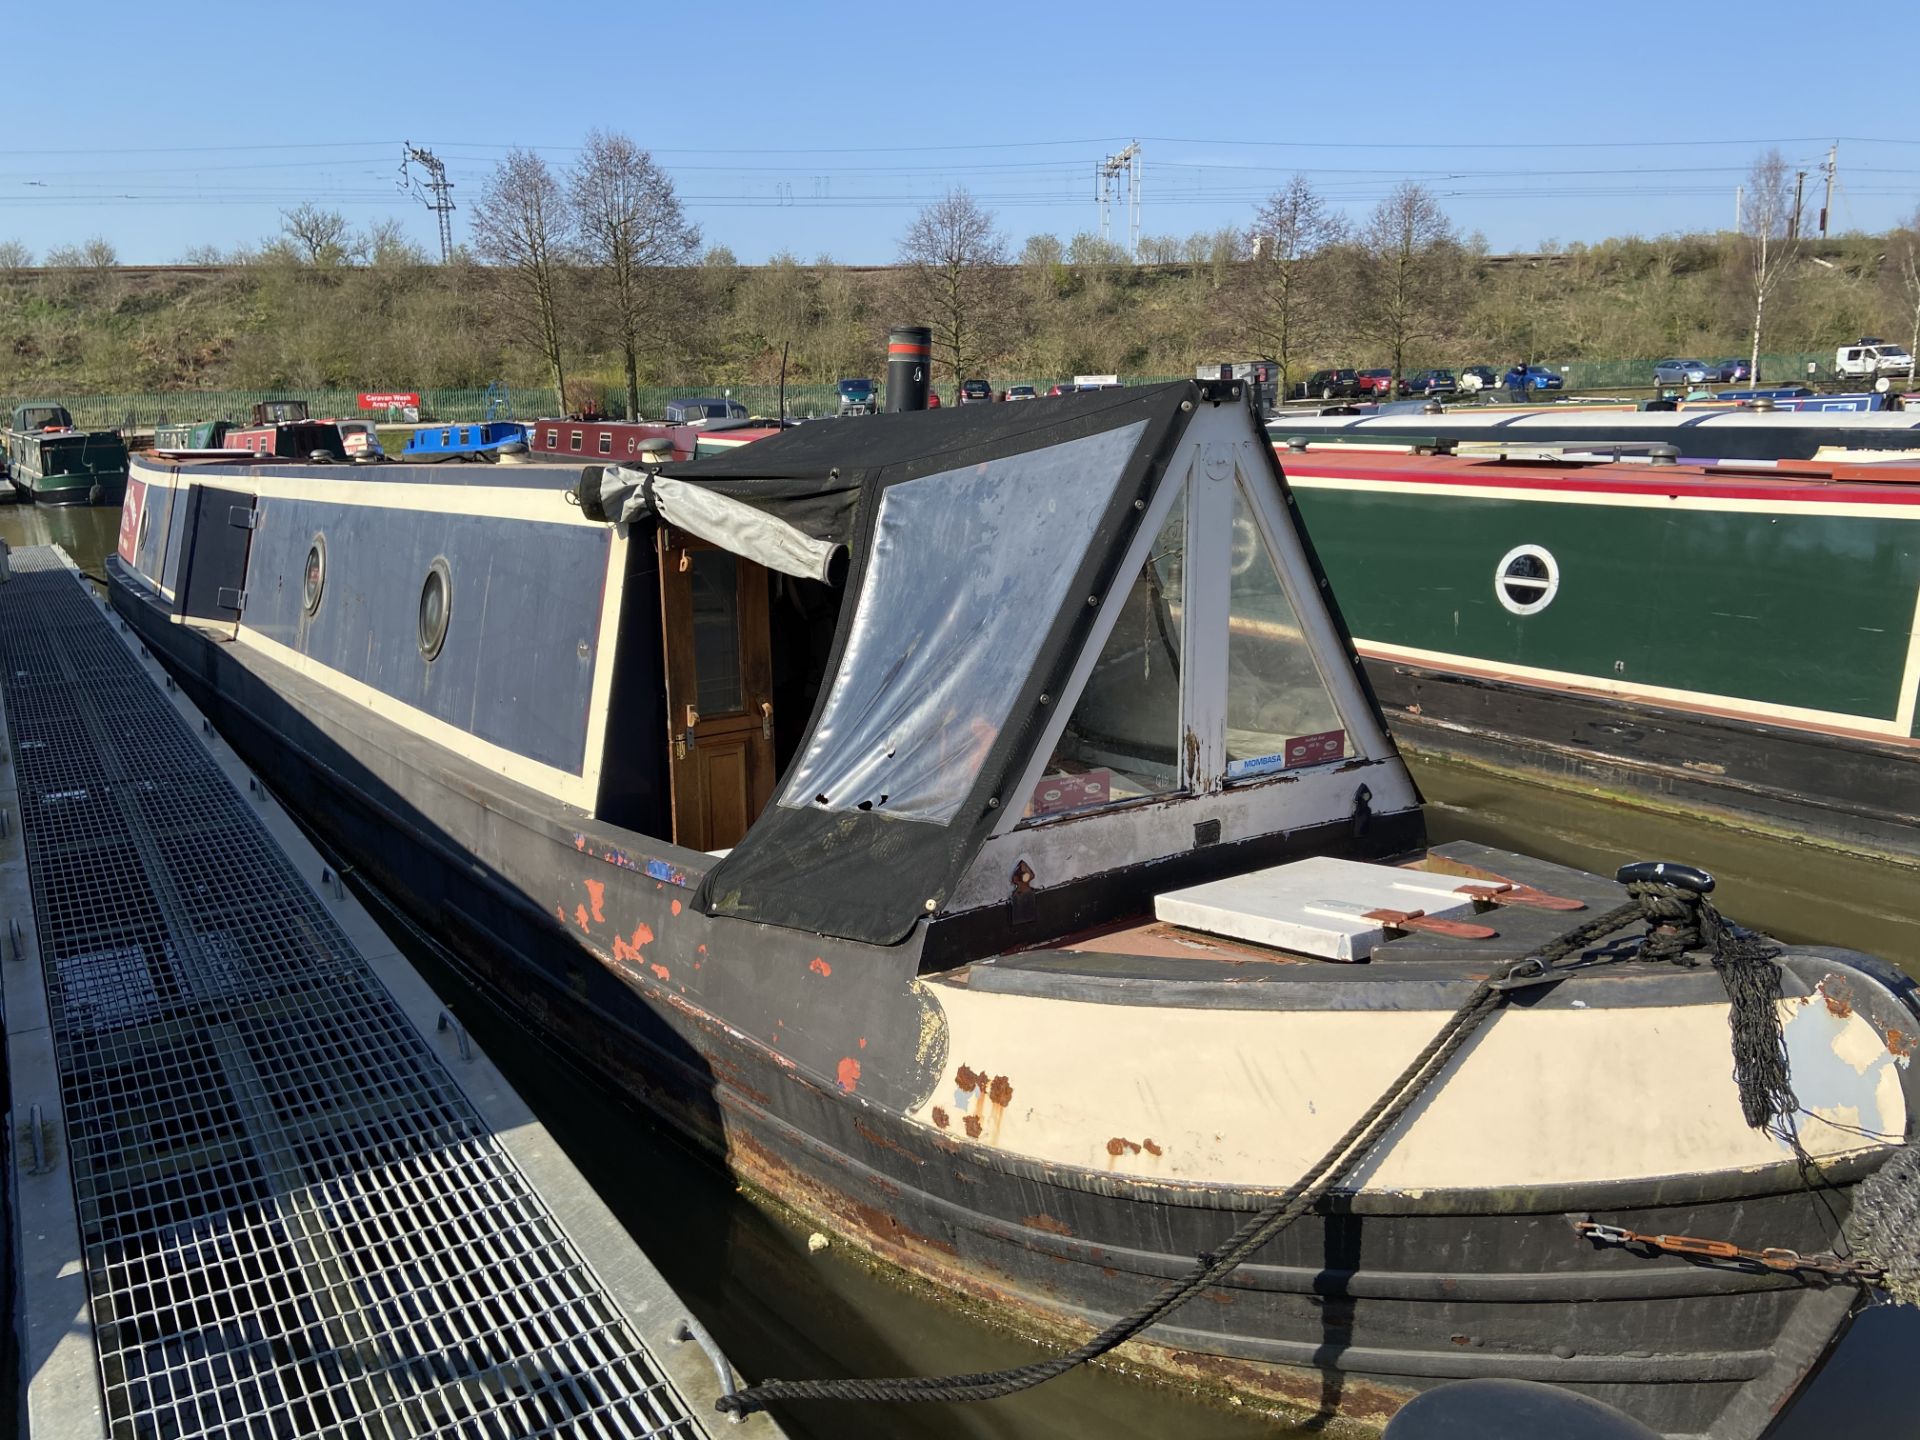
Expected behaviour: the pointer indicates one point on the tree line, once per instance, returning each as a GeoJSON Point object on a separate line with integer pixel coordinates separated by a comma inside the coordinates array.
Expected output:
{"type": "Point", "coordinates": [591, 281]}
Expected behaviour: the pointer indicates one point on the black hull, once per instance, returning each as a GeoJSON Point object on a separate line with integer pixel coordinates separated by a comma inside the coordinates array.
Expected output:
{"type": "Point", "coordinates": [1844, 791]}
{"type": "Point", "coordinates": [1347, 1313]}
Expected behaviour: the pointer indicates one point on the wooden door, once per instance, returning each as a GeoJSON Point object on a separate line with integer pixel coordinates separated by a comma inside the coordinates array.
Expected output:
{"type": "Point", "coordinates": [713, 607]}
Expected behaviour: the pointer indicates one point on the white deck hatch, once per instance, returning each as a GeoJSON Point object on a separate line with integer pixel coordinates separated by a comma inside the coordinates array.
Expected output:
{"type": "Point", "coordinates": [1317, 907]}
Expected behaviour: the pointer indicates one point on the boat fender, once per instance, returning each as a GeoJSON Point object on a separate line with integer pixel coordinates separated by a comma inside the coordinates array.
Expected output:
{"type": "Point", "coordinates": [586, 494]}
{"type": "Point", "coordinates": [1885, 1223]}
{"type": "Point", "coordinates": [1667, 872]}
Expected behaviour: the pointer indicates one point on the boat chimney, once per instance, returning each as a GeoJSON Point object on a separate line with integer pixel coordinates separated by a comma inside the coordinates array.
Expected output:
{"type": "Point", "coordinates": [909, 361]}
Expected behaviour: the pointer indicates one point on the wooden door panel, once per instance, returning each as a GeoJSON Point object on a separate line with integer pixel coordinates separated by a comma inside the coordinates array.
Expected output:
{"type": "Point", "coordinates": [714, 604]}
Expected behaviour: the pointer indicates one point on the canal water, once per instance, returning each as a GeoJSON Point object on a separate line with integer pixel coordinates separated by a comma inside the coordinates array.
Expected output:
{"type": "Point", "coordinates": [780, 1309]}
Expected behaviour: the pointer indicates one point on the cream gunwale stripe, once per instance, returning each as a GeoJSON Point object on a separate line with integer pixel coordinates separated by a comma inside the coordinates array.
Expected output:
{"type": "Point", "coordinates": [564, 785]}
{"type": "Point", "coordinates": [545, 507]}
{"type": "Point", "coordinates": [600, 692]}
{"type": "Point", "coordinates": [1910, 676]}
{"type": "Point", "coordinates": [1686, 698]}
{"type": "Point", "coordinates": [1613, 499]}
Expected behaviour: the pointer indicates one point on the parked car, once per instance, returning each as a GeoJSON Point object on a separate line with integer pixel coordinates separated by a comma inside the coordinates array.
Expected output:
{"type": "Point", "coordinates": [975, 392]}
{"type": "Point", "coordinates": [1476, 378]}
{"type": "Point", "coordinates": [1429, 382]}
{"type": "Point", "coordinates": [1065, 387]}
{"type": "Point", "coordinates": [1531, 378]}
{"type": "Point", "coordinates": [1022, 392]}
{"type": "Point", "coordinates": [1682, 372]}
{"type": "Point", "coordinates": [933, 399]}
{"type": "Point", "coordinates": [1329, 385]}
{"type": "Point", "coordinates": [1734, 369]}
{"type": "Point", "coordinates": [859, 397]}
{"type": "Point", "coordinates": [1375, 382]}
{"type": "Point", "coordinates": [1871, 358]}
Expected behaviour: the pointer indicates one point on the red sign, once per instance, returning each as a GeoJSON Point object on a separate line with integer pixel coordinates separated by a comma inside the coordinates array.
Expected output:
{"type": "Point", "coordinates": [130, 508]}
{"type": "Point", "coordinates": [389, 399]}
{"type": "Point", "coordinates": [1072, 792]}
{"type": "Point", "coordinates": [1314, 749]}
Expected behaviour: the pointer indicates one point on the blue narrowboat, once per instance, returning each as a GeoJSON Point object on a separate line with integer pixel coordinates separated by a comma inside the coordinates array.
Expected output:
{"type": "Point", "coordinates": [483, 440]}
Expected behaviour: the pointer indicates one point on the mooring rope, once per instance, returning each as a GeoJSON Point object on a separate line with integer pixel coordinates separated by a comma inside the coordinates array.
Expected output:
{"type": "Point", "coordinates": [1682, 921]}
{"type": "Point", "coordinates": [1300, 1197]}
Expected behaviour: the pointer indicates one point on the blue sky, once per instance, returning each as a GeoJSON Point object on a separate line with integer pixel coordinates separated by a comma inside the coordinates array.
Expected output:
{"type": "Point", "coordinates": [821, 129]}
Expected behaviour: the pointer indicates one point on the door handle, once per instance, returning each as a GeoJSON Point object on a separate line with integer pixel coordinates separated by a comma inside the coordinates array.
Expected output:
{"type": "Point", "coordinates": [766, 720]}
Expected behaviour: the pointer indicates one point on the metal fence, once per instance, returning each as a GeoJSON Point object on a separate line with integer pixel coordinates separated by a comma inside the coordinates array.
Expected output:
{"type": "Point", "coordinates": [1638, 374]}
{"type": "Point", "coordinates": [144, 411]}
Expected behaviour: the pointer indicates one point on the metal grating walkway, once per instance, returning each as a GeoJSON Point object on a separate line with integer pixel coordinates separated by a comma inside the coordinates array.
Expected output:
{"type": "Point", "coordinates": [294, 1223]}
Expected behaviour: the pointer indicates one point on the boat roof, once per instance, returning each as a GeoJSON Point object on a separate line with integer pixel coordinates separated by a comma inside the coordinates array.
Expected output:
{"type": "Point", "coordinates": [992, 550]}
{"type": "Point", "coordinates": [1895, 483]}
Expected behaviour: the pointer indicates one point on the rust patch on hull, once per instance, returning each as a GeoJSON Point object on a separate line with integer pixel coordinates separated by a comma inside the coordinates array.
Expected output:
{"type": "Point", "coordinates": [931, 1264]}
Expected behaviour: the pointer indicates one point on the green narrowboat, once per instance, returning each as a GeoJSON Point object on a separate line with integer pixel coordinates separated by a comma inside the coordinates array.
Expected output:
{"type": "Point", "coordinates": [1735, 639]}
{"type": "Point", "coordinates": [191, 435]}
{"type": "Point", "coordinates": [51, 463]}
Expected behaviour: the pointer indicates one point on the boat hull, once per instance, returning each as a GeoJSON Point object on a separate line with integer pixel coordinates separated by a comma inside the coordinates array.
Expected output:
{"type": "Point", "coordinates": [1347, 1313]}
{"type": "Point", "coordinates": [1749, 645]}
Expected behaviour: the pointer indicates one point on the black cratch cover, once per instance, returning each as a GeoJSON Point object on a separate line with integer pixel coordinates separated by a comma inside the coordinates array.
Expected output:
{"type": "Point", "coordinates": [983, 539]}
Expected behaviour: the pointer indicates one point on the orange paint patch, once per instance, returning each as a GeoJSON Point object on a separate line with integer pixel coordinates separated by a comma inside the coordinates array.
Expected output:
{"type": "Point", "coordinates": [819, 966]}
{"type": "Point", "coordinates": [596, 893]}
{"type": "Point", "coordinates": [580, 915]}
{"type": "Point", "coordinates": [661, 971]}
{"type": "Point", "coordinates": [863, 1042]}
{"type": "Point", "coordinates": [849, 1074]}
{"type": "Point", "coordinates": [579, 842]}
{"type": "Point", "coordinates": [676, 907]}
{"type": "Point", "coordinates": [625, 949]}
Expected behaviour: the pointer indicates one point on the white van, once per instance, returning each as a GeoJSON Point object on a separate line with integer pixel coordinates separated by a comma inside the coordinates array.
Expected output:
{"type": "Point", "coordinates": [1872, 358]}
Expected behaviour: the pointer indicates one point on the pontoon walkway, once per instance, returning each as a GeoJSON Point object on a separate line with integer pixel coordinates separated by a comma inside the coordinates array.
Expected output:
{"type": "Point", "coordinates": [303, 1207]}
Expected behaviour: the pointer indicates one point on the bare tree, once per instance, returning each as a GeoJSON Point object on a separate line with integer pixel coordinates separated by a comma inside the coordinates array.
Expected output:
{"type": "Point", "coordinates": [1284, 309]}
{"type": "Point", "coordinates": [14, 257]}
{"type": "Point", "coordinates": [385, 243]}
{"type": "Point", "coordinates": [631, 224]}
{"type": "Point", "coordinates": [954, 266]}
{"type": "Point", "coordinates": [1411, 275]}
{"type": "Point", "coordinates": [522, 229]}
{"type": "Point", "coordinates": [1768, 236]}
{"type": "Point", "coordinates": [318, 237]}
{"type": "Point", "coordinates": [1905, 248]}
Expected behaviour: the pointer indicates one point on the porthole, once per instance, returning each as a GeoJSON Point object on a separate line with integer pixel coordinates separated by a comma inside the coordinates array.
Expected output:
{"type": "Point", "coordinates": [436, 607]}
{"type": "Point", "coordinates": [1527, 579]}
{"type": "Point", "coordinates": [315, 581]}
{"type": "Point", "coordinates": [146, 529]}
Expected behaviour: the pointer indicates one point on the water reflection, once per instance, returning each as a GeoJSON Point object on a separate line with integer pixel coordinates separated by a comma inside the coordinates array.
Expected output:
{"type": "Point", "coordinates": [87, 533]}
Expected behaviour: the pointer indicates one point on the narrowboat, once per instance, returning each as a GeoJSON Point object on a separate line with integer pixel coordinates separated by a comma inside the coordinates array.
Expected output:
{"type": "Point", "coordinates": [51, 463]}
{"type": "Point", "coordinates": [190, 435]}
{"type": "Point", "coordinates": [638, 442]}
{"type": "Point", "coordinates": [1710, 433]}
{"type": "Point", "coordinates": [977, 828]}
{"type": "Point", "coordinates": [485, 440]}
{"type": "Point", "coordinates": [282, 429]}
{"type": "Point", "coordinates": [1739, 639]}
